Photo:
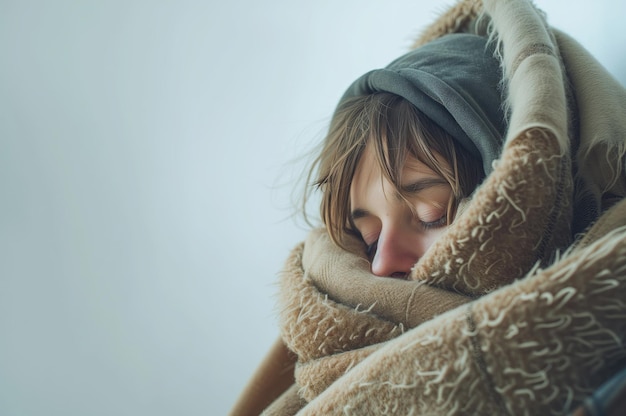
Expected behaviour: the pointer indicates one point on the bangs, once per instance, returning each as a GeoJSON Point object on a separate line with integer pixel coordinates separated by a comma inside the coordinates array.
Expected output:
{"type": "Point", "coordinates": [394, 129]}
{"type": "Point", "coordinates": [399, 130]}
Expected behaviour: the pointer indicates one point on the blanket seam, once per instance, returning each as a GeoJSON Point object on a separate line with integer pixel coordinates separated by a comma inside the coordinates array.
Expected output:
{"type": "Point", "coordinates": [481, 363]}
{"type": "Point", "coordinates": [556, 211]}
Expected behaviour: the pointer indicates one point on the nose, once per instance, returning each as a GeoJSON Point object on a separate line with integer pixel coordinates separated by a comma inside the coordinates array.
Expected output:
{"type": "Point", "coordinates": [397, 252]}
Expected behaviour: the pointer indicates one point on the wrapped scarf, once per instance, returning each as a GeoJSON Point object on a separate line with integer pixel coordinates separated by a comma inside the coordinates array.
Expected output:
{"type": "Point", "coordinates": [505, 313]}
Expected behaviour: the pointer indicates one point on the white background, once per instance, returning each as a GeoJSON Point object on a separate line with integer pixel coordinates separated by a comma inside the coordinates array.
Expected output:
{"type": "Point", "coordinates": [146, 166]}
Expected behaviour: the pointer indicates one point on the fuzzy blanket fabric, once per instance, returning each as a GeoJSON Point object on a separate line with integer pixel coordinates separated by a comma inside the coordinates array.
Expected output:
{"type": "Point", "coordinates": [508, 312]}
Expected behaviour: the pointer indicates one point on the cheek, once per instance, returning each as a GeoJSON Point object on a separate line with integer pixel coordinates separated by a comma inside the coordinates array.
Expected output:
{"type": "Point", "coordinates": [431, 236]}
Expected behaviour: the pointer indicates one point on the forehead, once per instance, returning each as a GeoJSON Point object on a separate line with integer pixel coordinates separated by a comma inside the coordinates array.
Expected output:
{"type": "Point", "coordinates": [369, 179]}
{"type": "Point", "coordinates": [367, 171]}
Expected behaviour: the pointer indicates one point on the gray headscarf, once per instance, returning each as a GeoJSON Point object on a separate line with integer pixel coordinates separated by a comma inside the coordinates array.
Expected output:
{"type": "Point", "coordinates": [454, 80]}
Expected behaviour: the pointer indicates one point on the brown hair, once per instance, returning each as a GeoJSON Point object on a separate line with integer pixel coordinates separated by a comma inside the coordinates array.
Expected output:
{"type": "Point", "coordinates": [395, 128]}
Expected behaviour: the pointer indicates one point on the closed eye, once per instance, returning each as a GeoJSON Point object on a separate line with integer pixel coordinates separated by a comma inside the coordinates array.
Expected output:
{"type": "Point", "coordinates": [430, 225]}
{"type": "Point", "coordinates": [371, 249]}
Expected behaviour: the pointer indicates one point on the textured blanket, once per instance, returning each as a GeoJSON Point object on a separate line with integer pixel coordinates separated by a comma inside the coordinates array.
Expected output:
{"type": "Point", "coordinates": [513, 310]}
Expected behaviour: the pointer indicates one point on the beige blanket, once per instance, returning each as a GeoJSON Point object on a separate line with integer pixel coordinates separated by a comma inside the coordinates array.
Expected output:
{"type": "Point", "coordinates": [504, 314]}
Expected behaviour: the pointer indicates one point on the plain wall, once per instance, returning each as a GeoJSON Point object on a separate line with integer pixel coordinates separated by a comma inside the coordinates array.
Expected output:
{"type": "Point", "coordinates": [148, 151]}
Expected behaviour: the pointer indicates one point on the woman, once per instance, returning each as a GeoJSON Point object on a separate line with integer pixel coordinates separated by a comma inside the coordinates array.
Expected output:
{"type": "Point", "coordinates": [426, 179]}
{"type": "Point", "coordinates": [385, 155]}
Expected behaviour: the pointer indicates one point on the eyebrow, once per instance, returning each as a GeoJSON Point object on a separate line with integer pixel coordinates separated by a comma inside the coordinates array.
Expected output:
{"type": "Point", "coordinates": [410, 188]}
{"type": "Point", "coordinates": [358, 213]}
{"type": "Point", "coordinates": [421, 184]}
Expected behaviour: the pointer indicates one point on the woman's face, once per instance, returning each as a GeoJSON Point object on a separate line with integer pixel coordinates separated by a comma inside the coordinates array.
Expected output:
{"type": "Point", "coordinates": [396, 236]}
